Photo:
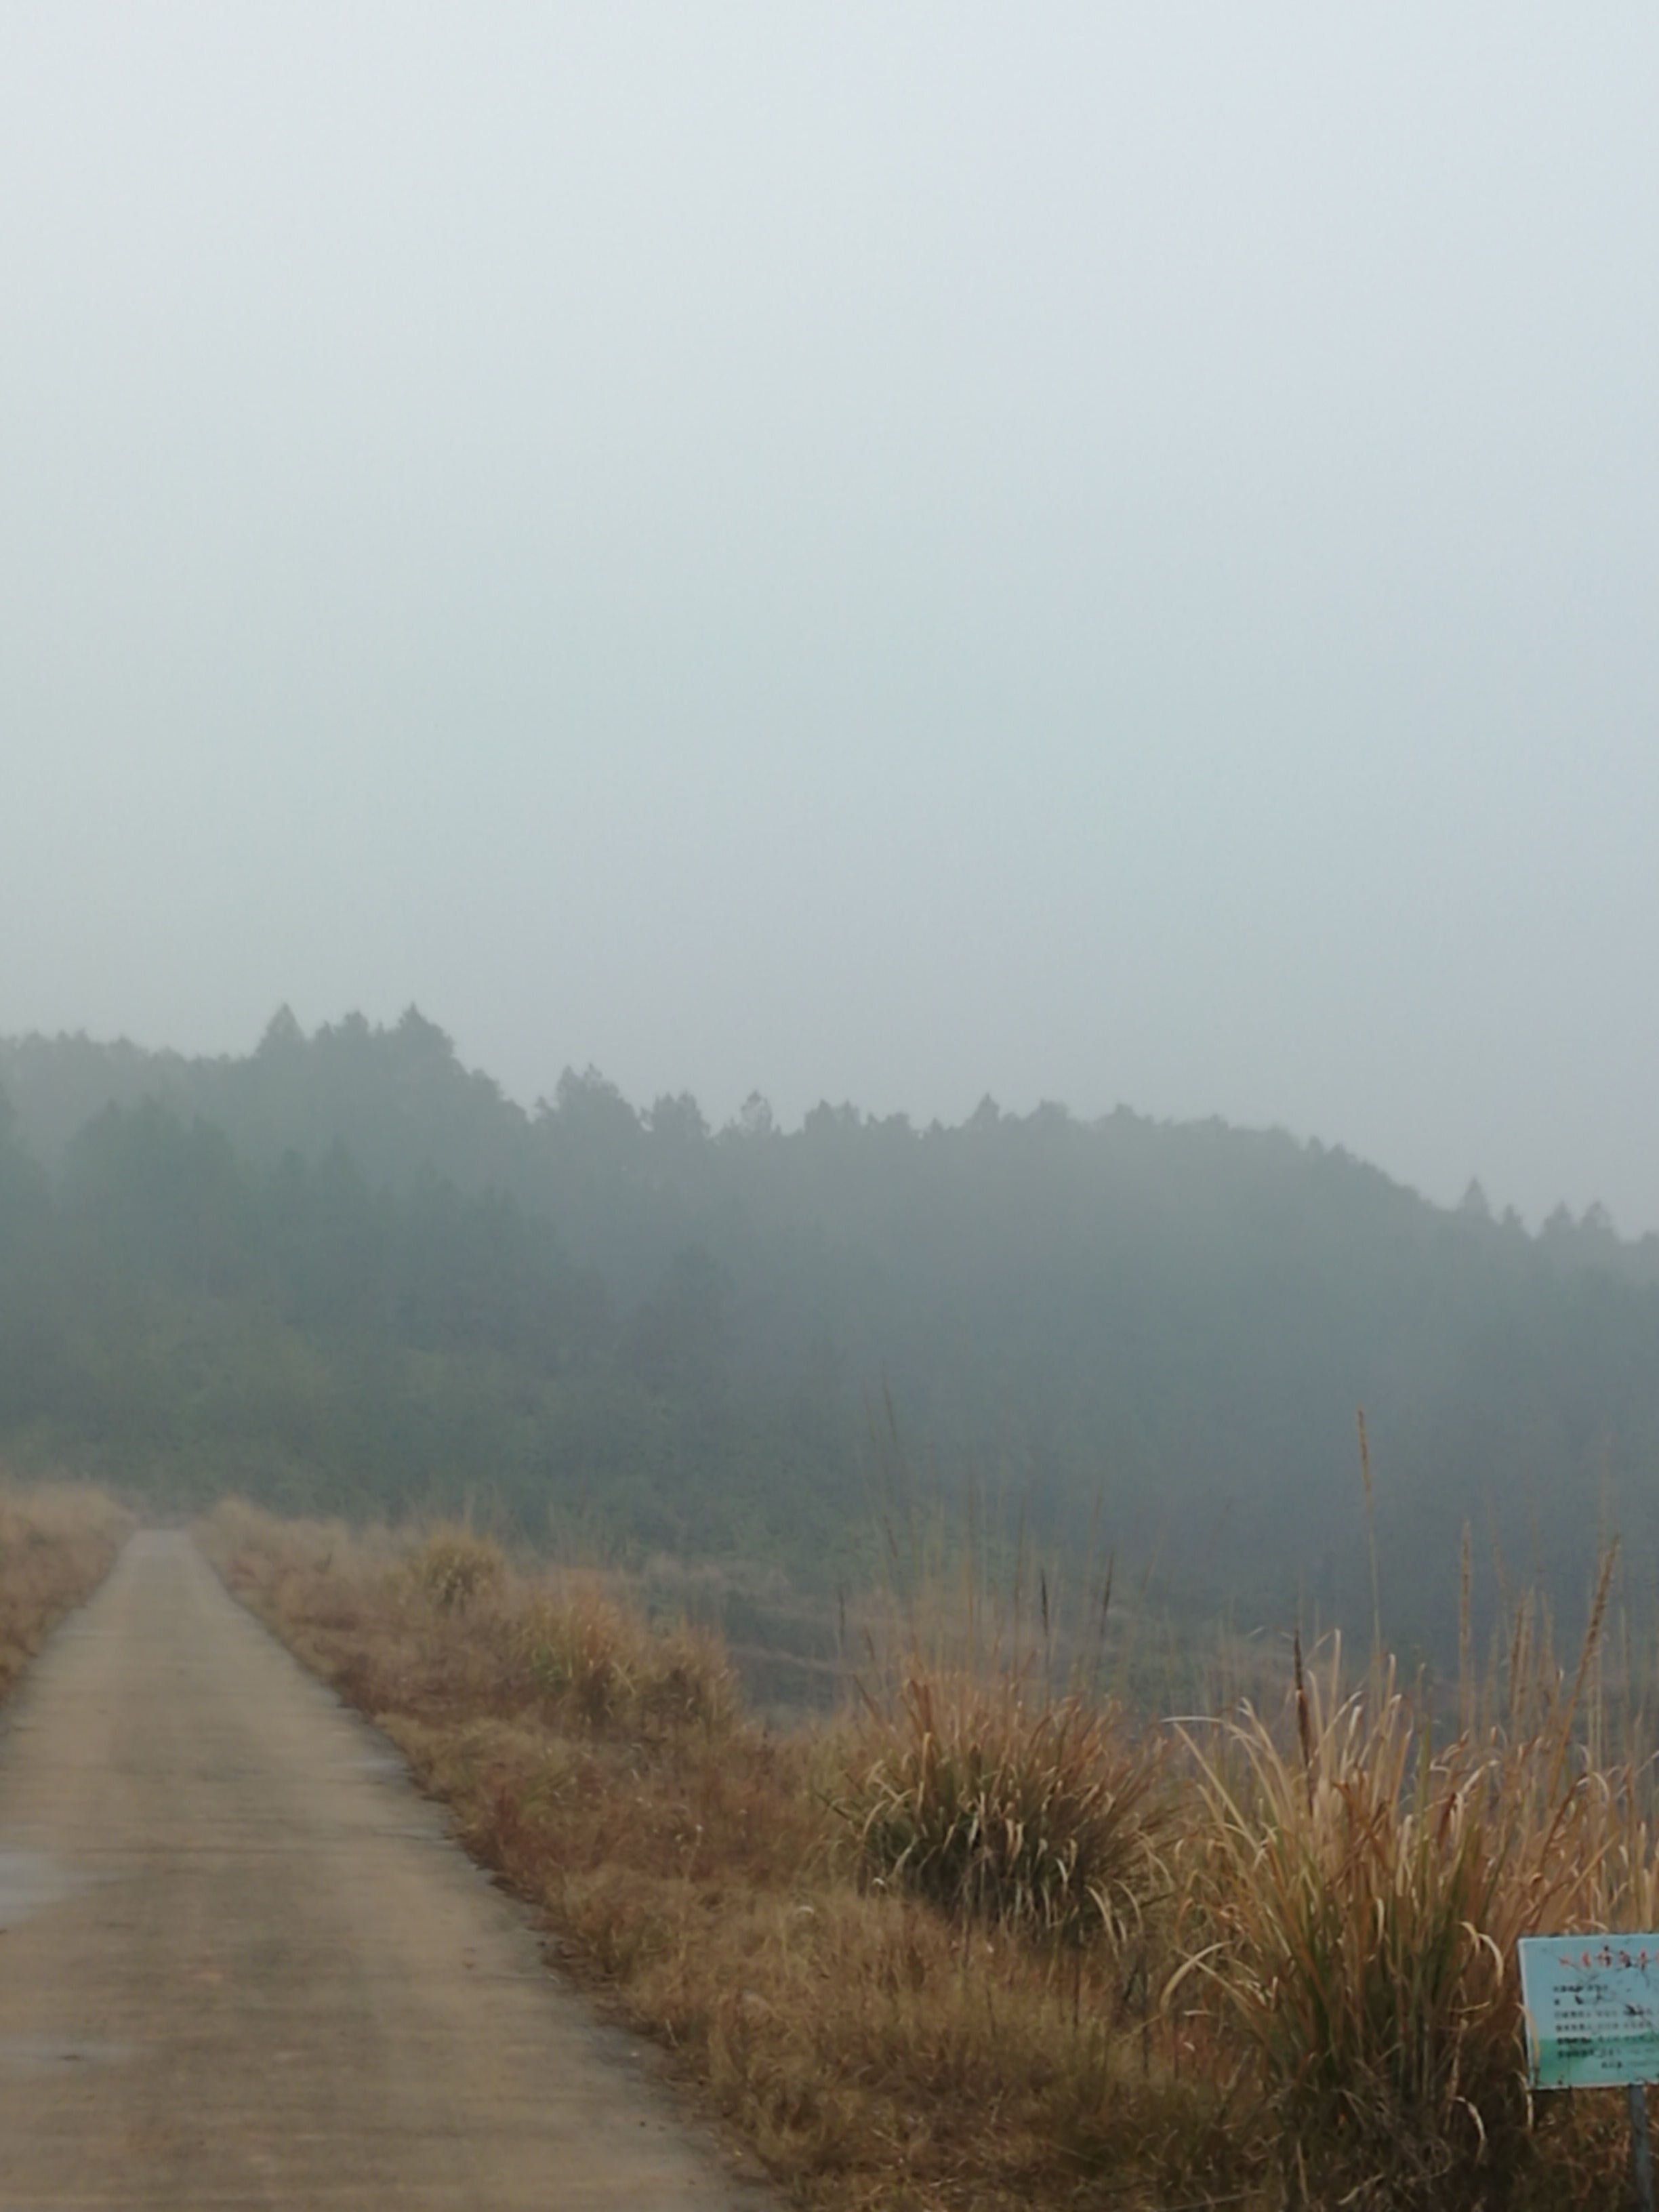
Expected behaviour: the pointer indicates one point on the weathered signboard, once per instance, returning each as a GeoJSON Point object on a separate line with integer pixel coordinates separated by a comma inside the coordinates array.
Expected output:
{"type": "Point", "coordinates": [1592, 2006]}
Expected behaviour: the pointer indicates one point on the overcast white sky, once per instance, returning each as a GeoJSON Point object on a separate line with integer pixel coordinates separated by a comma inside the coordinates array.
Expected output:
{"type": "Point", "coordinates": [887, 551]}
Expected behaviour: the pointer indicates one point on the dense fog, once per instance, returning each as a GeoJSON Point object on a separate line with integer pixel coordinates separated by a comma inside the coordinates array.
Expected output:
{"type": "Point", "coordinates": [343, 1274]}
{"type": "Point", "coordinates": [1085, 553]}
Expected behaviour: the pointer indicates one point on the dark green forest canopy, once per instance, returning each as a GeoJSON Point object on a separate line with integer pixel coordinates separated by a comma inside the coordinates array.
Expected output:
{"type": "Point", "coordinates": [345, 1272]}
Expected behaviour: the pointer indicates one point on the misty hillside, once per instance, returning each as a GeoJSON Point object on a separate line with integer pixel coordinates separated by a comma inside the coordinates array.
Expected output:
{"type": "Point", "coordinates": [343, 1272]}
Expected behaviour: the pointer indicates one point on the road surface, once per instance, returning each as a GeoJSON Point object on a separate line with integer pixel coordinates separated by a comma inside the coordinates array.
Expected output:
{"type": "Point", "coordinates": [242, 1964]}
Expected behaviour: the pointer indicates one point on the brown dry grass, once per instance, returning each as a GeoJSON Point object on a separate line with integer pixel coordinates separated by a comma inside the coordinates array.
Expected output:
{"type": "Point", "coordinates": [1357, 1893]}
{"type": "Point", "coordinates": [981, 1944]}
{"type": "Point", "coordinates": [695, 1871]}
{"type": "Point", "coordinates": [58, 1541]}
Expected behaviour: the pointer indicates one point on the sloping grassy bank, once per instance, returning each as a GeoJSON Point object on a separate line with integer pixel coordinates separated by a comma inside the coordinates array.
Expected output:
{"type": "Point", "coordinates": [58, 1541]}
{"type": "Point", "coordinates": [979, 1944]}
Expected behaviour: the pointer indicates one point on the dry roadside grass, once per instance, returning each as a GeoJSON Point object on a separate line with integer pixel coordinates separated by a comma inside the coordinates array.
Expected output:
{"type": "Point", "coordinates": [981, 1944]}
{"type": "Point", "coordinates": [58, 1541]}
{"type": "Point", "coordinates": [697, 1873]}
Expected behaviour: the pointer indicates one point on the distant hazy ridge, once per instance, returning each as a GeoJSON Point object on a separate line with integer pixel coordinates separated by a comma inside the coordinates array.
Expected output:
{"type": "Point", "coordinates": [344, 1272]}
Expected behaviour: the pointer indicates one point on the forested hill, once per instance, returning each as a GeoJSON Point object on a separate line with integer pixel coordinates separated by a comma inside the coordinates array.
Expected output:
{"type": "Point", "coordinates": [345, 1272]}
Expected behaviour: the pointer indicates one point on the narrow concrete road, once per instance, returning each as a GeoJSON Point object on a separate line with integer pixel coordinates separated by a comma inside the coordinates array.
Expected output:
{"type": "Point", "coordinates": [242, 1964]}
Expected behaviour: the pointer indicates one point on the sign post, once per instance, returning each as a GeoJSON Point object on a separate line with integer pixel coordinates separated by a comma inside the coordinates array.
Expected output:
{"type": "Point", "coordinates": [1592, 2009]}
{"type": "Point", "coordinates": [1641, 2154]}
